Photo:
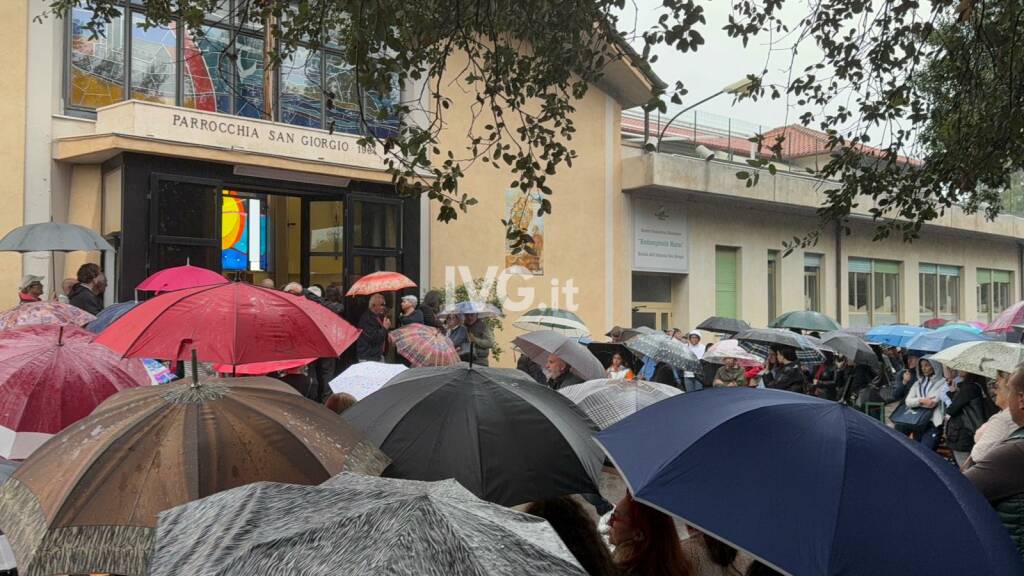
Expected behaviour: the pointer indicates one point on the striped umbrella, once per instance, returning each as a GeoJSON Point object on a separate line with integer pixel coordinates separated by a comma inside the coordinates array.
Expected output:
{"type": "Point", "coordinates": [561, 321]}
{"type": "Point", "coordinates": [424, 345]}
{"type": "Point", "coordinates": [355, 524]}
{"type": "Point", "coordinates": [44, 313]}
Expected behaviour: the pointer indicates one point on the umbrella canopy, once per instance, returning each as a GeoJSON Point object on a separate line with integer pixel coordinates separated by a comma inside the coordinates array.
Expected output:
{"type": "Point", "coordinates": [261, 368]}
{"type": "Point", "coordinates": [805, 320]}
{"type": "Point", "coordinates": [108, 315]}
{"type": "Point", "coordinates": [854, 348]}
{"type": "Point", "coordinates": [661, 347]}
{"type": "Point", "coordinates": [937, 340]}
{"type": "Point", "coordinates": [965, 326]}
{"type": "Point", "coordinates": [52, 236]}
{"type": "Point", "coordinates": [982, 357]}
{"type": "Point", "coordinates": [47, 312]}
{"type": "Point", "coordinates": [801, 483]}
{"type": "Point", "coordinates": [424, 345]}
{"type": "Point", "coordinates": [234, 323]}
{"type": "Point", "coordinates": [1006, 320]}
{"type": "Point", "coordinates": [504, 437]}
{"type": "Point", "coordinates": [362, 379]}
{"type": "Point", "coordinates": [625, 334]}
{"type": "Point", "coordinates": [51, 377]}
{"type": "Point", "coordinates": [894, 334]}
{"type": "Point", "coordinates": [723, 349]}
{"type": "Point", "coordinates": [7, 560]}
{"type": "Point", "coordinates": [723, 325]}
{"type": "Point", "coordinates": [607, 401]}
{"type": "Point", "coordinates": [481, 309]}
{"type": "Point", "coordinates": [806, 351]}
{"type": "Point", "coordinates": [179, 278]}
{"type": "Point", "coordinates": [561, 321]}
{"type": "Point", "coordinates": [87, 500]}
{"type": "Point", "coordinates": [934, 323]}
{"type": "Point", "coordinates": [380, 282]}
{"type": "Point", "coordinates": [539, 345]}
{"type": "Point", "coordinates": [355, 523]}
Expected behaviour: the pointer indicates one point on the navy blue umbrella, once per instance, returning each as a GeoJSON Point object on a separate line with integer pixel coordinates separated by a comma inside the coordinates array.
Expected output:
{"type": "Point", "coordinates": [808, 485]}
{"type": "Point", "coordinates": [108, 315]}
{"type": "Point", "coordinates": [939, 340]}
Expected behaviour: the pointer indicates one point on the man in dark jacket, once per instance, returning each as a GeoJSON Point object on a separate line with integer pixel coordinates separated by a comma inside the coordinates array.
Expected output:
{"type": "Point", "coordinates": [998, 474]}
{"type": "Point", "coordinates": [559, 374]}
{"type": "Point", "coordinates": [481, 337]}
{"type": "Point", "coordinates": [374, 325]}
{"type": "Point", "coordinates": [88, 293]}
{"type": "Point", "coordinates": [431, 307]}
{"type": "Point", "coordinates": [790, 377]}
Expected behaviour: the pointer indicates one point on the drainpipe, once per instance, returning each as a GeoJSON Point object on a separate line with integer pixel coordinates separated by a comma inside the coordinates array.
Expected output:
{"type": "Point", "coordinates": [647, 127]}
{"type": "Point", "coordinates": [839, 272]}
{"type": "Point", "coordinates": [1020, 268]}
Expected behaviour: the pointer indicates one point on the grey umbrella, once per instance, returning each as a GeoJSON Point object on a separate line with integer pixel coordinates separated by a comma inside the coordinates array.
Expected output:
{"type": "Point", "coordinates": [541, 344]}
{"type": "Point", "coordinates": [723, 325]}
{"type": "Point", "coordinates": [661, 347]}
{"type": "Point", "coordinates": [355, 524]}
{"type": "Point", "coordinates": [52, 237]}
{"type": "Point", "coordinates": [757, 338]}
{"type": "Point", "coordinates": [855, 349]}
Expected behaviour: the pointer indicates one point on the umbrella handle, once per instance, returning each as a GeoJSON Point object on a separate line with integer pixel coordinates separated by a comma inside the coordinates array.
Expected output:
{"type": "Point", "coordinates": [195, 370]}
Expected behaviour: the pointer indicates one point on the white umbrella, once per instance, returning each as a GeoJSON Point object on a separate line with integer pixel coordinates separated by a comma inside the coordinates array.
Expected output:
{"type": "Point", "coordinates": [607, 401]}
{"type": "Point", "coordinates": [362, 379]}
{"type": "Point", "coordinates": [983, 357]}
{"type": "Point", "coordinates": [731, 349]}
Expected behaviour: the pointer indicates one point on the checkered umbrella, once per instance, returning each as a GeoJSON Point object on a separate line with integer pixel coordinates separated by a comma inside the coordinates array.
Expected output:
{"type": "Point", "coordinates": [424, 345]}
{"type": "Point", "coordinates": [607, 401]}
{"type": "Point", "coordinates": [755, 339]}
{"type": "Point", "coordinates": [661, 347]}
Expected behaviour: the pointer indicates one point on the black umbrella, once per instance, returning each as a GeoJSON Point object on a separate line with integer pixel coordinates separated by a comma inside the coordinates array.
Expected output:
{"type": "Point", "coordinates": [504, 437]}
{"type": "Point", "coordinates": [855, 349]}
{"type": "Point", "coordinates": [806, 351]}
{"type": "Point", "coordinates": [723, 325]}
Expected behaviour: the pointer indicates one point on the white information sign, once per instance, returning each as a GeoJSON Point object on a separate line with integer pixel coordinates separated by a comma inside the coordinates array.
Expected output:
{"type": "Point", "coordinates": [661, 237]}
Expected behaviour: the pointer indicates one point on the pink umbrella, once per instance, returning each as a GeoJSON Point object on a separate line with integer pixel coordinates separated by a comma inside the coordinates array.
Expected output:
{"type": "Point", "coordinates": [261, 368]}
{"type": "Point", "coordinates": [424, 346]}
{"type": "Point", "coordinates": [179, 278]}
{"type": "Point", "coordinates": [732, 349]}
{"type": "Point", "coordinates": [44, 313]}
{"type": "Point", "coordinates": [1012, 315]}
{"type": "Point", "coordinates": [51, 377]}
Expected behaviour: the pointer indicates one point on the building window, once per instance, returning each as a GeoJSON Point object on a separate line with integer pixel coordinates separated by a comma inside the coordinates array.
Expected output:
{"type": "Point", "coordinates": [812, 282]}
{"type": "Point", "coordinates": [939, 292]}
{"type": "Point", "coordinates": [873, 292]}
{"type": "Point", "coordinates": [221, 69]}
{"type": "Point", "coordinates": [773, 284]}
{"type": "Point", "coordinates": [652, 301]}
{"type": "Point", "coordinates": [726, 282]}
{"type": "Point", "coordinates": [995, 289]}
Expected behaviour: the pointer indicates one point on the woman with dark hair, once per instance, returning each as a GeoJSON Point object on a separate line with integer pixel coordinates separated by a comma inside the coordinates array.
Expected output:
{"type": "Point", "coordinates": [579, 533]}
{"type": "Point", "coordinates": [710, 556]}
{"type": "Point", "coordinates": [646, 542]}
{"type": "Point", "coordinates": [790, 376]}
{"type": "Point", "coordinates": [970, 406]}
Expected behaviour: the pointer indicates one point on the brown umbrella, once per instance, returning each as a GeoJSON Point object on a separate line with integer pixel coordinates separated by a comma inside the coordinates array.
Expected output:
{"type": "Point", "coordinates": [88, 499]}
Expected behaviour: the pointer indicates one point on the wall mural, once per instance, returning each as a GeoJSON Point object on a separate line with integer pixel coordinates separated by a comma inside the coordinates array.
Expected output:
{"type": "Point", "coordinates": [522, 209]}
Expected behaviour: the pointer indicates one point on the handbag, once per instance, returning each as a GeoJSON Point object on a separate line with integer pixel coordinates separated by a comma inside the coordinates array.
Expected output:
{"type": "Point", "coordinates": [916, 418]}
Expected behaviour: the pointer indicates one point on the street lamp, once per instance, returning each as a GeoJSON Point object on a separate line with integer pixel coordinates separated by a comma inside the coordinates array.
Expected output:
{"type": "Point", "coordinates": [738, 87]}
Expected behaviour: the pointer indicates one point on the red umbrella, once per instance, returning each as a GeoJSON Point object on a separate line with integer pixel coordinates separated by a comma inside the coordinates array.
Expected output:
{"type": "Point", "coordinates": [380, 282]}
{"type": "Point", "coordinates": [934, 323]}
{"type": "Point", "coordinates": [51, 377]}
{"type": "Point", "coordinates": [260, 368]}
{"type": "Point", "coordinates": [179, 278]}
{"type": "Point", "coordinates": [234, 323]}
{"type": "Point", "coordinates": [1012, 315]}
{"type": "Point", "coordinates": [424, 346]}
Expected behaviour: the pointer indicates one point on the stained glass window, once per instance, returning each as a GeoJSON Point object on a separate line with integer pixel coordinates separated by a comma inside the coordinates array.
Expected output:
{"type": "Point", "coordinates": [154, 53]}
{"type": "Point", "coordinates": [97, 64]}
{"type": "Point", "coordinates": [300, 89]}
{"type": "Point", "coordinates": [243, 232]}
{"type": "Point", "coordinates": [250, 77]}
{"type": "Point", "coordinates": [207, 75]}
{"type": "Point", "coordinates": [380, 110]}
{"type": "Point", "coordinates": [341, 83]}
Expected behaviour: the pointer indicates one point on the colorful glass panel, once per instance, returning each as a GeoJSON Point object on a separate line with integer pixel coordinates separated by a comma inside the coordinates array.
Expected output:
{"type": "Point", "coordinates": [207, 74]}
{"type": "Point", "coordinates": [154, 53]}
{"type": "Point", "coordinates": [250, 77]}
{"type": "Point", "coordinates": [301, 89]}
{"type": "Point", "coordinates": [97, 64]}
{"type": "Point", "coordinates": [243, 244]}
{"type": "Point", "coordinates": [341, 83]}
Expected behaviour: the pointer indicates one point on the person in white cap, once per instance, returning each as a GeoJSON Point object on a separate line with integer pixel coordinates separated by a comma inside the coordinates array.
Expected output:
{"type": "Point", "coordinates": [410, 313]}
{"type": "Point", "coordinates": [691, 380]}
{"type": "Point", "coordinates": [30, 289]}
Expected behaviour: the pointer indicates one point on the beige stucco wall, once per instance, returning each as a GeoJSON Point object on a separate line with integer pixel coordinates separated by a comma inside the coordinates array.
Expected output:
{"type": "Point", "coordinates": [756, 229]}
{"type": "Point", "coordinates": [13, 61]}
{"type": "Point", "coordinates": [582, 242]}
{"type": "Point", "coordinates": [85, 208]}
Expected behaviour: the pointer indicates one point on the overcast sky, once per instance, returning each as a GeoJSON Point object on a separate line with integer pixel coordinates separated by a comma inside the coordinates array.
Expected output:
{"type": "Point", "coordinates": [723, 60]}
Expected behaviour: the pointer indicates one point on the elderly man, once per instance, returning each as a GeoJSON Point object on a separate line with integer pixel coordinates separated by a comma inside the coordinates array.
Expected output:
{"type": "Point", "coordinates": [30, 289]}
{"type": "Point", "coordinates": [374, 324]}
{"type": "Point", "coordinates": [559, 374]}
{"type": "Point", "coordinates": [410, 313]}
{"type": "Point", "coordinates": [999, 475]}
{"type": "Point", "coordinates": [267, 283]}
{"type": "Point", "coordinates": [293, 288]}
